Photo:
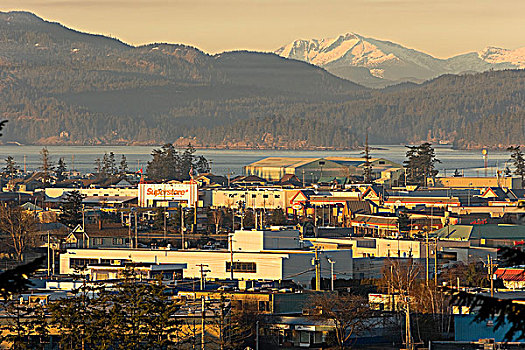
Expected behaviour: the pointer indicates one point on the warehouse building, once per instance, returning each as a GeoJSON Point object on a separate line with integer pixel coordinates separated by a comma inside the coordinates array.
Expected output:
{"type": "Point", "coordinates": [310, 170]}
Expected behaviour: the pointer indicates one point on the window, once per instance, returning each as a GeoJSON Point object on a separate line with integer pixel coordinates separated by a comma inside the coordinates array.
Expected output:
{"type": "Point", "coordinates": [264, 305]}
{"type": "Point", "coordinates": [118, 241]}
{"type": "Point", "coordinates": [239, 266]}
{"type": "Point", "coordinates": [254, 196]}
{"type": "Point", "coordinates": [79, 262]}
{"type": "Point", "coordinates": [381, 162]}
{"type": "Point", "coordinates": [366, 243]}
{"type": "Point", "coordinates": [265, 196]}
{"type": "Point", "coordinates": [277, 196]}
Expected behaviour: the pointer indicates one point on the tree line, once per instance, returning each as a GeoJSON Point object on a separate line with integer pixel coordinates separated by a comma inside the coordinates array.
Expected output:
{"type": "Point", "coordinates": [60, 87]}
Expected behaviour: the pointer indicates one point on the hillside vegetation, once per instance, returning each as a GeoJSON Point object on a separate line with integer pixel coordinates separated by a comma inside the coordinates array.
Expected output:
{"type": "Point", "coordinates": [59, 86]}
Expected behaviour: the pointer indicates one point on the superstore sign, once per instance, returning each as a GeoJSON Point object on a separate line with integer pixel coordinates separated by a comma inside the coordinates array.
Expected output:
{"type": "Point", "coordinates": [167, 192]}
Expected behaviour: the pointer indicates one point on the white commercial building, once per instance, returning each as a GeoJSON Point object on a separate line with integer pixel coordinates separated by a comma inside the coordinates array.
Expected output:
{"type": "Point", "coordinates": [151, 195]}
{"type": "Point", "coordinates": [256, 255]}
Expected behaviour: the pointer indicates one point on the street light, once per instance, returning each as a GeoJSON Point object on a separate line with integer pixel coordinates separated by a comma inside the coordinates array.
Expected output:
{"type": "Point", "coordinates": [332, 262]}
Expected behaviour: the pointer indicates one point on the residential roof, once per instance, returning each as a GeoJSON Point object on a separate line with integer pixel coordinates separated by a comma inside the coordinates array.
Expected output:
{"type": "Point", "coordinates": [107, 199]}
{"type": "Point", "coordinates": [375, 220]}
{"type": "Point", "coordinates": [511, 274]}
{"type": "Point", "coordinates": [333, 179]}
{"type": "Point", "coordinates": [108, 230]}
{"type": "Point", "coordinates": [489, 231]}
{"type": "Point", "coordinates": [290, 180]}
{"type": "Point", "coordinates": [30, 206]}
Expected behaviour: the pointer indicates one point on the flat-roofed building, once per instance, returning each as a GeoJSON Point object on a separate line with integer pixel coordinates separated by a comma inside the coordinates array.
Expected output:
{"type": "Point", "coordinates": [476, 182]}
{"type": "Point", "coordinates": [257, 255]}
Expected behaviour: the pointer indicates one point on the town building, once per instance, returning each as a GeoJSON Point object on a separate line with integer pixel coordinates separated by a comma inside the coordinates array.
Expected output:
{"type": "Point", "coordinates": [256, 255]}
{"type": "Point", "coordinates": [309, 170]}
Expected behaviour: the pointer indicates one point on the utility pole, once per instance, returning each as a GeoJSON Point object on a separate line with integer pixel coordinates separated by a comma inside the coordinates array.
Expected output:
{"type": "Point", "coordinates": [367, 165]}
{"type": "Point", "coordinates": [491, 274]}
{"type": "Point", "coordinates": [436, 262]}
{"type": "Point", "coordinates": [332, 262]}
{"type": "Point", "coordinates": [83, 219]}
{"type": "Point", "coordinates": [233, 219]}
{"type": "Point", "coordinates": [165, 226]}
{"type": "Point", "coordinates": [231, 256]}
{"type": "Point", "coordinates": [136, 230]}
{"type": "Point", "coordinates": [317, 264]}
{"type": "Point", "coordinates": [203, 323]}
{"type": "Point", "coordinates": [48, 256]}
{"type": "Point", "coordinates": [203, 282]}
{"type": "Point", "coordinates": [427, 258]}
{"type": "Point", "coordinates": [195, 218]}
{"type": "Point", "coordinates": [182, 228]}
{"type": "Point", "coordinates": [257, 335]}
{"type": "Point", "coordinates": [432, 218]}
{"type": "Point", "coordinates": [409, 344]}
{"type": "Point", "coordinates": [129, 232]}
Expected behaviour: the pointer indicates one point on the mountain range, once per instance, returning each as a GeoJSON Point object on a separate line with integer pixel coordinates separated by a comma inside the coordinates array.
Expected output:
{"type": "Point", "coordinates": [378, 63]}
{"type": "Point", "coordinates": [61, 86]}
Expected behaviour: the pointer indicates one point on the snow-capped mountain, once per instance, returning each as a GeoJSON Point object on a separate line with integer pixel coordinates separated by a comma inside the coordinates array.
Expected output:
{"type": "Point", "coordinates": [379, 63]}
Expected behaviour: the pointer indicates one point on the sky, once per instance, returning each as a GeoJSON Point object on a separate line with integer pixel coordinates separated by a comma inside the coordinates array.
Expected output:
{"type": "Point", "coordinates": [442, 28]}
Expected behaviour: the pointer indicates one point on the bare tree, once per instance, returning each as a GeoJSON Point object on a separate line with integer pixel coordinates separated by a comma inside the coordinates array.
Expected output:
{"type": "Point", "coordinates": [19, 228]}
{"type": "Point", "coordinates": [422, 300]}
{"type": "Point", "coordinates": [217, 218]}
{"type": "Point", "coordinates": [349, 313]}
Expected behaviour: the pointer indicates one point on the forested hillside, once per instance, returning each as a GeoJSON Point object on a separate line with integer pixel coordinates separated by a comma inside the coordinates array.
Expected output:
{"type": "Point", "coordinates": [59, 86]}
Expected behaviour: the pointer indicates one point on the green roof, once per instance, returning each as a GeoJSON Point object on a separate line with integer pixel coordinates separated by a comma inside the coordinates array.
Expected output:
{"type": "Point", "coordinates": [466, 232]}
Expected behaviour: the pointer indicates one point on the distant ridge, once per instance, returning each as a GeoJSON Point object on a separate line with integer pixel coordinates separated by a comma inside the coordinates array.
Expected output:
{"type": "Point", "coordinates": [63, 87]}
{"type": "Point", "coordinates": [378, 63]}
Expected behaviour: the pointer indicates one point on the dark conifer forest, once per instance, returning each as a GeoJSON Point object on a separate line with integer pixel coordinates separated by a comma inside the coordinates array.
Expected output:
{"type": "Point", "coordinates": [59, 86]}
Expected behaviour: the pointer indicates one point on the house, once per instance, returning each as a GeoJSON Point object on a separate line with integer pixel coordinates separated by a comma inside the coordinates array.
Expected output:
{"type": "Point", "coordinates": [248, 181]}
{"type": "Point", "coordinates": [512, 277]}
{"type": "Point", "coordinates": [114, 236]}
{"type": "Point", "coordinates": [483, 235]}
{"type": "Point", "coordinates": [210, 180]}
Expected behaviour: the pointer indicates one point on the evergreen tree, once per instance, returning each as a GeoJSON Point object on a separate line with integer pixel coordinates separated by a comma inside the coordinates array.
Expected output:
{"type": "Point", "coordinates": [518, 160]}
{"type": "Point", "coordinates": [403, 222]}
{"type": "Point", "coordinates": [202, 165]}
{"type": "Point", "coordinates": [98, 165]}
{"type": "Point", "coordinates": [112, 163]}
{"type": "Point", "coordinates": [277, 217]}
{"type": "Point", "coordinates": [10, 167]}
{"type": "Point", "coordinates": [123, 167]}
{"type": "Point", "coordinates": [186, 164]}
{"type": "Point", "coordinates": [165, 164]}
{"type": "Point", "coordinates": [106, 166]}
{"type": "Point", "coordinates": [420, 163]}
{"type": "Point", "coordinates": [61, 170]}
{"type": "Point", "coordinates": [47, 164]}
{"type": "Point", "coordinates": [71, 215]}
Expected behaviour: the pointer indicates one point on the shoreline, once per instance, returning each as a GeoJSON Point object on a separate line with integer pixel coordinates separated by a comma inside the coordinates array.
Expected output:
{"type": "Point", "coordinates": [262, 148]}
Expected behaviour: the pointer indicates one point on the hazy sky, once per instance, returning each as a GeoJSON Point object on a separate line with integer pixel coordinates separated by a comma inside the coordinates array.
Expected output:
{"type": "Point", "coordinates": [440, 27]}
